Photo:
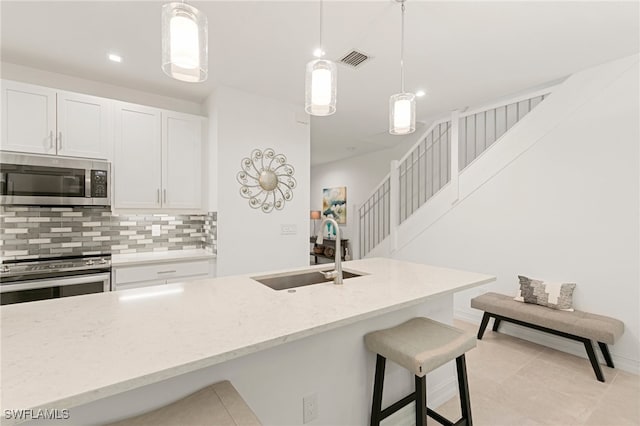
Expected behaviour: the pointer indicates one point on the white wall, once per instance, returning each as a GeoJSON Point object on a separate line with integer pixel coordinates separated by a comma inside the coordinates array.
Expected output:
{"type": "Point", "coordinates": [248, 239]}
{"type": "Point", "coordinates": [75, 84]}
{"type": "Point", "coordinates": [564, 208]}
{"type": "Point", "coordinates": [360, 175]}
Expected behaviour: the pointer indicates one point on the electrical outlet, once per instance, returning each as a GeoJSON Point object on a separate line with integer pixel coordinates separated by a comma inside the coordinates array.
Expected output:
{"type": "Point", "coordinates": [155, 230]}
{"type": "Point", "coordinates": [309, 408]}
{"type": "Point", "coordinates": [288, 229]}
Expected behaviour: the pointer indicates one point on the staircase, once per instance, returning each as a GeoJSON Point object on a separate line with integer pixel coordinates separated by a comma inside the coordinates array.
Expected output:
{"type": "Point", "coordinates": [433, 166]}
{"type": "Point", "coordinates": [553, 193]}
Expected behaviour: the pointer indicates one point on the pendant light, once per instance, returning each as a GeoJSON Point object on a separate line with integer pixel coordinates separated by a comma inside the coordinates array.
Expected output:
{"type": "Point", "coordinates": [402, 106]}
{"type": "Point", "coordinates": [320, 82]}
{"type": "Point", "coordinates": [184, 42]}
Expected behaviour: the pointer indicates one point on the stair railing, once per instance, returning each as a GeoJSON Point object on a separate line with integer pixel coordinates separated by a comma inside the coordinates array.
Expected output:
{"type": "Point", "coordinates": [435, 161]}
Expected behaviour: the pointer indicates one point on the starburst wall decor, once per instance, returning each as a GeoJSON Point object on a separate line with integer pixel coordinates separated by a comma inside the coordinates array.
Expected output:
{"type": "Point", "coordinates": [266, 180]}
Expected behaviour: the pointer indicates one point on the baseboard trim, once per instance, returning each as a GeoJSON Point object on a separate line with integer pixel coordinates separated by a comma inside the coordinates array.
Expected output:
{"type": "Point", "coordinates": [443, 392]}
{"type": "Point", "coordinates": [546, 339]}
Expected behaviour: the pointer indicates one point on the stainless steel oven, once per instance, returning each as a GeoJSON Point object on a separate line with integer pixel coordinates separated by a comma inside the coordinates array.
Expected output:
{"type": "Point", "coordinates": [28, 280]}
{"type": "Point", "coordinates": [27, 179]}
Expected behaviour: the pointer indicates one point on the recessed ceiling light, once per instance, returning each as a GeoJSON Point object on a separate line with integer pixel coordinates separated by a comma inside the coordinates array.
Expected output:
{"type": "Point", "coordinates": [420, 93]}
{"type": "Point", "coordinates": [115, 58]}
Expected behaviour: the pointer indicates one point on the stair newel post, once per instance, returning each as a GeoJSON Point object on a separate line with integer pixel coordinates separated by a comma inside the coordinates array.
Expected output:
{"type": "Point", "coordinates": [454, 168]}
{"type": "Point", "coordinates": [394, 204]}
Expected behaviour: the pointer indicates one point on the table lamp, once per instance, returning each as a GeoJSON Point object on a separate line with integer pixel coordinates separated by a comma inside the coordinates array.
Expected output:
{"type": "Point", "coordinates": [315, 215]}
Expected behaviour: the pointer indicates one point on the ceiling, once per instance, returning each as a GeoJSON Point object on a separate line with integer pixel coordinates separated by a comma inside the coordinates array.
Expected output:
{"type": "Point", "coordinates": [460, 53]}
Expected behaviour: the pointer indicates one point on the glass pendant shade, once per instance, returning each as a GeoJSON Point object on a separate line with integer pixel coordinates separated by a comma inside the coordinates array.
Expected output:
{"type": "Point", "coordinates": [320, 87]}
{"type": "Point", "coordinates": [402, 114]}
{"type": "Point", "coordinates": [184, 42]}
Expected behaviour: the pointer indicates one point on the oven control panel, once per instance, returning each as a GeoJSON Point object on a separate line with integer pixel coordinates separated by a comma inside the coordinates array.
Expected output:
{"type": "Point", "coordinates": [99, 184]}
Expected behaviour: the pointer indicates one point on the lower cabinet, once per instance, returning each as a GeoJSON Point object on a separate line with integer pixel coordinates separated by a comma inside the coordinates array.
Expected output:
{"type": "Point", "coordinates": [127, 277]}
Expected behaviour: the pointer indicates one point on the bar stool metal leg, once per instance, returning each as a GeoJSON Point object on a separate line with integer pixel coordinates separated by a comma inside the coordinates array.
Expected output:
{"type": "Point", "coordinates": [421, 401]}
{"type": "Point", "coordinates": [463, 387]}
{"type": "Point", "coordinates": [376, 408]}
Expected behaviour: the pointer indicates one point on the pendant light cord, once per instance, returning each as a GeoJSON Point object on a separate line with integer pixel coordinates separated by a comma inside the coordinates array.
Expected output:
{"type": "Point", "coordinates": [402, 52]}
{"type": "Point", "coordinates": [321, 50]}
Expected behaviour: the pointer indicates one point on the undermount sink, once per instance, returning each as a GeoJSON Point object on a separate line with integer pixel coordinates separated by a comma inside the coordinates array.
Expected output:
{"type": "Point", "coordinates": [300, 278]}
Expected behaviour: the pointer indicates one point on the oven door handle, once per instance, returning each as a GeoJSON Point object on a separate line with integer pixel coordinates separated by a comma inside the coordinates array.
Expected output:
{"type": "Point", "coordinates": [54, 282]}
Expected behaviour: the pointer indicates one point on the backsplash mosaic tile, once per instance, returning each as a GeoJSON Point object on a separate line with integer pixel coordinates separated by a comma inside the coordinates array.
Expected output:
{"type": "Point", "coordinates": [211, 231]}
{"type": "Point", "coordinates": [29, 232]}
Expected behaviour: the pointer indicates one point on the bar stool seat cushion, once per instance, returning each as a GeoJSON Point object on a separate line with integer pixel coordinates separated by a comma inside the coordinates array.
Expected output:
{"type": "Point", "coordinates": [420, 345]}
{"type": "Point", "coordinates": [216, 405]}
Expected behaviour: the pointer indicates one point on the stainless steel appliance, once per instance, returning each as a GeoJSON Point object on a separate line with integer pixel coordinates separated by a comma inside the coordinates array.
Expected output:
{"type": "Point", "coordinates": [31, 280]}
{"type": "Point", "coordinates": [27, 179]}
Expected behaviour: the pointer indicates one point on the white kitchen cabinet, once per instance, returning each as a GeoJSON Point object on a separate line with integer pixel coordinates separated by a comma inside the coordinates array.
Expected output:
{"type": "Point", "coordinates": [28, 118]}
{"type": "Point", "coordinates": [182, 161]}
{"type": "Point", "coordinates": [82, 125]}
{"type": "Point", "coordinates": [127, 277]}
{"type": "Point", "coordinates": [158, 159]}
{"type": "Point", "coordinates": [42, 120]}
{"type": "Point", "coordinates": [137, 167]}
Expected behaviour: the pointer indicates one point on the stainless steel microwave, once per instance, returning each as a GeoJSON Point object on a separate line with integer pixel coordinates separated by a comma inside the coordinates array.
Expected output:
{"type": "Point", "coordinates": [27, 179]}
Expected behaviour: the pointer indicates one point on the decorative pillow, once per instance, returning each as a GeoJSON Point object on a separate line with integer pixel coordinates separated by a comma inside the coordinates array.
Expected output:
{"type": "Point", "coordinates": [552, 295]}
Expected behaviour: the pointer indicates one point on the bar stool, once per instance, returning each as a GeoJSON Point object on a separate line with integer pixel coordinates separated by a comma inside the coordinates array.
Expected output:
{"type": "Point", "coordinates": [420, 345]}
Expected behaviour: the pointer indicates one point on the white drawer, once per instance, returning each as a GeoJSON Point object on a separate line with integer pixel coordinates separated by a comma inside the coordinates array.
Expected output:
{"type": "Point", "coordinates": [164, 271]}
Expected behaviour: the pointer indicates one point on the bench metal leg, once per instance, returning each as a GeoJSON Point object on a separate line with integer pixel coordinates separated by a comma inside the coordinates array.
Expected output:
{"type": "Point", "coordinates": [588, 345]}
{"type": "Point", "coordinates": [376, 408]}
{"type": "Point", "coordinates": [483, 325]}
{"type": "Point", "coordinates": [605, 353]}
{"type": "Point", "coordinates": [496, 324]}
{"type": "Point", "coordinates": [421, 401]}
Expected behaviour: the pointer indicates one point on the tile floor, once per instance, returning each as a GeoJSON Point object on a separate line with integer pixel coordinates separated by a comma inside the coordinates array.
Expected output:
{"type": "Point", "coordinates": [518, 383]}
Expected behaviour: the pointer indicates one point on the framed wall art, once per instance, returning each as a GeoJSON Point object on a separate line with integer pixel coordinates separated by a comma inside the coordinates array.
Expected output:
{"type": "Point", "coordinates": [334, 203]}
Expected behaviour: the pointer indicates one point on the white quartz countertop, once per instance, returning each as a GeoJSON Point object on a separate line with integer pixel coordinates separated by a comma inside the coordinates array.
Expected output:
{"type": "Point", "coordinates": [133, 259]}
{"type": "Point", "coordinates": [66, 352]}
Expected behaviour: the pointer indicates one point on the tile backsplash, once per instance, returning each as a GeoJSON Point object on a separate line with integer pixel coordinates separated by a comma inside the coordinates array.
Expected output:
{"type": "Point", "coordinates": [62, 231]}
{"type": "Point", "coordinates": [211, 231]}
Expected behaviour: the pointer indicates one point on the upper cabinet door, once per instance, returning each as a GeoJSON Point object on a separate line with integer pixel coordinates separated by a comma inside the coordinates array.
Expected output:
{"type": "Point", "coordinates": [28, 118]}
{"type": "Point", "coordinates": [138, 161]}
{"type": "Point", "coordinates": [82, 125]}
{"type": "Point", "coordinates": [182, 153]}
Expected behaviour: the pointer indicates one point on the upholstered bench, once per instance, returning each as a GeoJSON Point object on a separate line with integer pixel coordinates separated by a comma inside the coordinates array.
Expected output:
{"type": "Point", "coordinates": [216, 405]}
{"type": "Point", "coordinates": [577, 325]}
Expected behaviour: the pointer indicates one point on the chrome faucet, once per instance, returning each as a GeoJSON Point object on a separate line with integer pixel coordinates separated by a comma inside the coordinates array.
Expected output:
{"type": "Point", "coordinates": [336, 274]}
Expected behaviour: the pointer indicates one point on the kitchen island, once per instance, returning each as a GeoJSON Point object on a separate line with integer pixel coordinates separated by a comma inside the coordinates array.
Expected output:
{"type": "Point", "coordinates": [163, 342]}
